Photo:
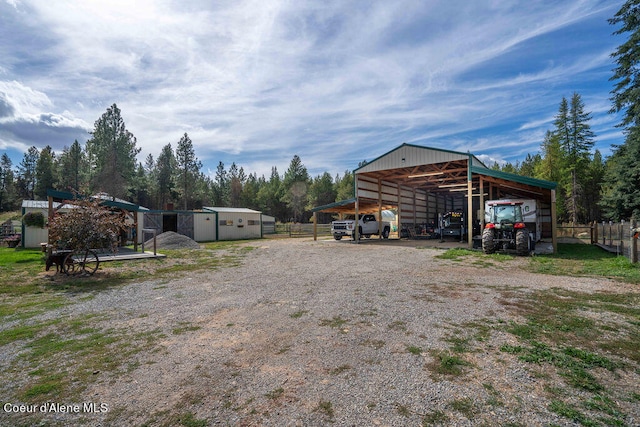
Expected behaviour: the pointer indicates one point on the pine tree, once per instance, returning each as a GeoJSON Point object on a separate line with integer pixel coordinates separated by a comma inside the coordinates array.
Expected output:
{"type": "Point", "coordinates": [621, 187]}
{"type": "Point", "coordinates": [321, 192]}
{"type": "Point", "coordinates": [72, 167]}
{"type": "Point", "coordinates": [627, 72]}
{"type": "Point", "coordinates": [575, 138]}
{"type": "Point", "coordinates": [7, 184]}
{"type": "Point", "coordinates": [27, 173]}
{"type": "Point", "coordinates": [45, 172]}
{"type": "Point", "coordinates": [220, 187]}
{"type": "Point", "coordinates": [164, 171]}
{"type": "Point", "coordinates": [296, 186]}
{"type": "Point", "coordinates": [344, 186]}
{"type": "Point", "coordinates": [188, 168]}
{"type": "Point", "coordinates": [235, 186]}
{"type": "Point", "coordinates": [112, 151]}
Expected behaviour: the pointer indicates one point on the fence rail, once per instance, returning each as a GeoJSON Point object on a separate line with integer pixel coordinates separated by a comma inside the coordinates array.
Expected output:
{"type": "Point", "coordinates": [303, 230]}
{"type": "Point", "coordinates": [618, 237]}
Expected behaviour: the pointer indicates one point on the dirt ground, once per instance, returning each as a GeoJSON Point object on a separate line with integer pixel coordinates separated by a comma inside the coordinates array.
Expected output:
{"type": "Point", "coordinates": [311, 333]}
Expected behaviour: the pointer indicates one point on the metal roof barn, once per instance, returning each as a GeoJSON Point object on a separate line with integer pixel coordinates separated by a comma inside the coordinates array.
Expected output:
{"type": "Point", "coordinates": [420, 183]}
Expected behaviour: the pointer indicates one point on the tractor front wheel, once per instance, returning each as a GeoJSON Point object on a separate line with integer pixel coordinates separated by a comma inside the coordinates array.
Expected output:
{"type": "Point", "coordinates": [488, 245]}
{"type": "Point", "coordinates": [523, 243]}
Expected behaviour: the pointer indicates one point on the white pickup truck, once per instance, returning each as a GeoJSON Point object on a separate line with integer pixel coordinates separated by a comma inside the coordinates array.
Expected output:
{"type": "Point", "coordinates": [367, 225]}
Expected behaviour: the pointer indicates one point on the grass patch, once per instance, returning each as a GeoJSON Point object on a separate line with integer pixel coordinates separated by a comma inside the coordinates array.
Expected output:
{"type": "Point", "coordinates": [340, 369]}
{"type": "Point", "coordinates": [184, 327]}
{"type": "Point", "coordinates": [465, 406]}
{"type": "Point", "coordinates": [435, 418]}
{"type": "Point", "coordinates": [298, 314]}
{"type": "Point", "coordinates": [414, 350]}
{"type": "Point", "coordinates": [274, 394]}
{"type": "Point", "coordinates": [560, 333]}
{"type": "Point", "coordinates": [460, 254]}
{"type": "Point", "coordinates": [585, 260]}
{"type": "Point", "coordinates": [445, 363]}
{"type": "Point", "coordinates": [335, 322]}
{"type": "Point", "coordinates": [325, 407]}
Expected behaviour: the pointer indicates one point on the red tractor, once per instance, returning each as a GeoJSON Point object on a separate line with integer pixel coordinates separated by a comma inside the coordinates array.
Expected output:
{"type": "Point", "coordinates": [505, 228]}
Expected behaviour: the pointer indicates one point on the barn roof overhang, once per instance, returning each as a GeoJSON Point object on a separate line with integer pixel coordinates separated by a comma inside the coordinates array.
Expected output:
{"type": "Point", "coordinates": [439, 171]}
{"type": "Point", "coordinates": [61, 196]}
{"type": "Point", "coordinates": [348, 206]}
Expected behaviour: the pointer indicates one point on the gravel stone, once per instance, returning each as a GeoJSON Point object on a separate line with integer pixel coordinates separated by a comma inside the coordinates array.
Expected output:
{"type": "Point", "coordinates": [310, 333]}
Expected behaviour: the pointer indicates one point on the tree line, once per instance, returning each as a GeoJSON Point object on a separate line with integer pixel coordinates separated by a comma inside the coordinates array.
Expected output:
{"type": "Point", "coordinates": [107, 163]}
{"type": "Point", "coordinates": [590, 187]}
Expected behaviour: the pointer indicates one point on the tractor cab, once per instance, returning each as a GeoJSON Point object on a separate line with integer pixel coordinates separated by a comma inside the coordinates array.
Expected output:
{"type": "Point", "coordinates": [505, 215]}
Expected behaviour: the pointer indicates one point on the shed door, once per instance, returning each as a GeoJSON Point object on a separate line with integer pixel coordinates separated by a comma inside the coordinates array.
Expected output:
{"type": "Point", "coordinates": [185, 225]}
{"type": "Point", "coordinates": [153, 220]}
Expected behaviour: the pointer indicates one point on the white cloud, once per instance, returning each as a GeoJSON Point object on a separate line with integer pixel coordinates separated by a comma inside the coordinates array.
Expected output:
{"type": "Point", "coordinates": [337, 82]}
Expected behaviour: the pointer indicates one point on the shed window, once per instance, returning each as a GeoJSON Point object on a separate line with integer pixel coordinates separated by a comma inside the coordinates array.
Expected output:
{"type": "Point", "coordinates": [253, 222]}
{"type": "Point", "coordinates": [226, 222]}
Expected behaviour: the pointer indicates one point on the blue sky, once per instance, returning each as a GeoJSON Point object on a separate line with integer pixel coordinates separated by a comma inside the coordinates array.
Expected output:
{"type": "Point", "coordinates": [335, 82]}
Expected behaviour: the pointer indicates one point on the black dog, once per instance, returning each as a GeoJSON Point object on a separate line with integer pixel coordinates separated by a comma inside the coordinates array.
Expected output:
{"type": "Point", "coordinates": [57, 259]}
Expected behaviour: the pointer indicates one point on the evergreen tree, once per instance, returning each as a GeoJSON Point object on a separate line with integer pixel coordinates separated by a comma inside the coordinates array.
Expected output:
{"type": "Point", "coordinates": [164, 172]}
{"type": "Point", "coordinates": [529, 165]}
{"type": "Point", "coordinates": [626, 96]}
{"type": "Point", "coordinates": [621, 187]}
{"type": "Point", "coordinates": [550, 168]}
{"type": "Point", "coordinates": [593, 187]}
{"type": "Point", "coordinates": [152, 187]}
{"type": "Point", "coordinates": [344, 186]}
{"type": "Point", "coordinates": [72, 167]}
{"type": "Point", "coordinates": [322, 192]}
{"type": "Point", "coordinates": [188, 168]}
{"type": "Point", "coordinates": [235, 186]}
{"type": "Point", "coordinates": [7, 184]}
{"type": "Point", "coordinates": [296, 185]}
{"type": "Point", "coordinates": [220, 187]}
{"type": "Point", "coordinates": [270, 197]}
{"type": "Point", "coordinates": [249, 198]}
{"type": "Point", "coordinates": [27, 173]}
{"type": "Point", "coordinates": [578, 152]}
{"type": "Point", "coordinates": [45, 172]}
{"type": "Point", "coordinates": [112, 151]}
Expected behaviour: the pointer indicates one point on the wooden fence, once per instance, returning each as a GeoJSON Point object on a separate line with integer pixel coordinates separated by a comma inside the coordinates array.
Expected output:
{"type": "Point", "coordinates": [620, 238]}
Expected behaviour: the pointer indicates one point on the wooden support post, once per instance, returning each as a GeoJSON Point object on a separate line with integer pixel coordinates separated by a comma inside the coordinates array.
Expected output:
{"type": "Point", "coordinates": [315, 226]}
{"type": "Point", "coordinates": [50, 216]}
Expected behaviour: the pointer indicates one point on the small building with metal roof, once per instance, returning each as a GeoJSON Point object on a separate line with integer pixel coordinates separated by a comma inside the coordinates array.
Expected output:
{"type": "Point", "coordinates": [420, 183]}
{"type": "Point", "coordinates": [62, 201]}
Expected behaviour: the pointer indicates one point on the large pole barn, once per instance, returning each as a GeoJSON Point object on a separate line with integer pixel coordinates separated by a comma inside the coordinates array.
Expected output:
{"type": "Point", "coordinates": [420, 183]}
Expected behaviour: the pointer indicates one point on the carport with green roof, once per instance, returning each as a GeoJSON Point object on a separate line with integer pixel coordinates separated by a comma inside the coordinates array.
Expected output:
{"type": "Point", "coordinates": [421, 182]}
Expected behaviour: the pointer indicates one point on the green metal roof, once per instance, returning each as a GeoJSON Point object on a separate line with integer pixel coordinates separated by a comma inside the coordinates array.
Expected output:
{"type": "Point", "coordinates": [334, 205]}
{"type": "Point", "coordinates": [534, 182]}
{"type": "Point", "coordinates": [118, 203]}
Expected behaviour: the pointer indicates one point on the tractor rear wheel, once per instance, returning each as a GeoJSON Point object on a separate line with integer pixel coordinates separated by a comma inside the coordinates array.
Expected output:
{"type": "Point", "coordinates": [488, 245]}
{"type": "Point", "coordinates": [523, 244]}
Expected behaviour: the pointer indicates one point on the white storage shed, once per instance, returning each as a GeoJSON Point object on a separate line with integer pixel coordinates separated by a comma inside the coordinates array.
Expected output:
{"type": "Point", "coordinates": [236, 223]}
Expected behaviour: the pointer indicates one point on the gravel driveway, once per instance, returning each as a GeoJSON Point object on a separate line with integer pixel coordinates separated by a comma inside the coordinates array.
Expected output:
{"type": "Point", "coordinates": [308, 333]}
